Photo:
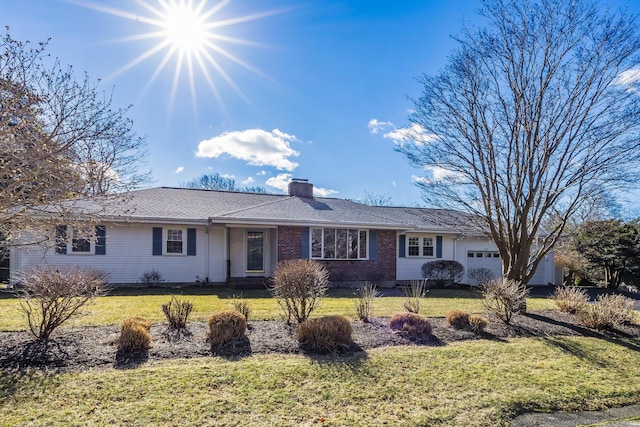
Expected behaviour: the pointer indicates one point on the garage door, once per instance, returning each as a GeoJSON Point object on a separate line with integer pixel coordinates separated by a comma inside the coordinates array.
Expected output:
{"type": "Point", "coordinates": [491, 261]}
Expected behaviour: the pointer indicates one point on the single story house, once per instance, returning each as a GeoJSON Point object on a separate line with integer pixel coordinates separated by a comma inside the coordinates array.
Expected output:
{"type": "Point", "coordinates": [220, 237]}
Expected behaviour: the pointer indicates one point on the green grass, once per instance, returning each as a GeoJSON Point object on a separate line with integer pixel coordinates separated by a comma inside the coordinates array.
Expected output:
{"type": "Point", "coordinates": [480, 383]}
{"type": "Point", "coordinates": [147, 303]}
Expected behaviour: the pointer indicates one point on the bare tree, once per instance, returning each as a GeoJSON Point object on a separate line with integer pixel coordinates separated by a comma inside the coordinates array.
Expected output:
{"type": "Point", "coordinates": [61, 141]}
{"type": "Point", "coordinates": [373, 199]}
{"type": "Point", "coordinates": [218, 182]}
{"type": "Point", "coordinates": [534, 115]}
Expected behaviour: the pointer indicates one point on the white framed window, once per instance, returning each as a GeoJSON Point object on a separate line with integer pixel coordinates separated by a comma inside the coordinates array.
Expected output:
{"type": "Point", "coordinates": [419, 246]}
{"type": "Point", "coordinates": [175, 241]}
{"type": "Point", "coordinates": [82, 241]}
{"type": "Point", "coordinates": [339, 243]}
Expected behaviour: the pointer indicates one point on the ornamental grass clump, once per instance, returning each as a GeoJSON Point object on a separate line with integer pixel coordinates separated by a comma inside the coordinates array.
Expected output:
{"type": "Point", "coordinates": [177, 312]}
{"type": "Point", "coordinates": [325, 334]}
{"type": "Point", "coordinates": [411, 325]}
{"type": "Point", "coordinates": [504, 297]}
{"type": "Point", "coordinates": [241, 305]}
{"type": "Point", "coordinates": [607, 312]}
{"type": "Point", "coordinates": [570, 299]}
{"type": "Point", "coordinates": [299, 286]}
{"type": "Point", "coordinates": [365, 295]}
{"type": "Point", "coordinates": [226, 326]}
{"type": "Point", "coordinates": [134, 335]}
{"type": "Point", "coordinates": [413, 295]}
{"type": "Point", "coordinates": [458, 319]}
{"type": "Point", "coordinates": [478, 323]}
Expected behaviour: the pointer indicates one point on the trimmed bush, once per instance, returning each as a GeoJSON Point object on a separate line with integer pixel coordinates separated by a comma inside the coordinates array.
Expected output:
{"type": "Point", "coordinates": [458, 319]}
{"type": "Point", "coordinates": [607, 312]}
{"type": "Point", "coordinates": [299, 286]}
{"type": "Point", "coordinates": [570, 299]}
{"type": "Point", "coordinates": [364, 301]}
{"type": "Point", "coordinates": [443, 272]}
{"type": "Point", "coordinates": [134, 335]}
{"type": "Point", "coordinates": [478, 323]}
{"type": "Point", "coordinates": [325, 334]}
{"type": "Point", "coordinates": [177, 312]}
{"type": "Point", "coordinates": [410, 324]}
{"type": "Point", "coordinates": [504, 297]}
{"type": "Point", "coordinates": [226, 326]}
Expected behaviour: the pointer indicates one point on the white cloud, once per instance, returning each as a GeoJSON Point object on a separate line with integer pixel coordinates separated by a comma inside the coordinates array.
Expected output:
{"type": "Point", "coordinates": [414, 133]}
{"type": "Point", "coordinates": [323, 192]}
{"type": "Point", "coordinates": [435, 174]}
{"type": "Point", "coordinates": [257, 147]}
{"type": "Point", "coordinates": [180, 169]}
{"type": "Point", "coordinates": [280, 181]}
{"type": "Point", "coordinates": [261, 173]}
{"type": "Point", "coordinates": [228, 176]}
{"type": "Point", "coordinates": [248, 181]}
{"type": "Point", "coordinates": [628, 77]}
{"type": "Point", "coordinates": [376, 126]}
{"type": "Point", "coordinates": [393, 183]}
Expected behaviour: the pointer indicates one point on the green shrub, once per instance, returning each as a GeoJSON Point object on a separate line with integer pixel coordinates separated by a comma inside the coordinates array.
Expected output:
{"type": "Point", "coordinates": [134, 335]}
{"type": "Point", "coordinates": [607, 312]}
{"type": "Point", "coordinates": [364, 301]}
{"type": "Point", "coordinates": [325, 334]}
{"type": "Point", "coordinates": [410, 324]}
{"type": "Point", "coordinates": [413, 294]}
{"type": "Point", "coordinates": [478, 323]}
{"type": "Point", "coordinates": [226, 326]}
{"type": "Point", "coordinates": [241, 305]}
{"type": "Point", "coordinates": [570, 299]}
{"type": "Point", "coordinates": [177, 312]}
{"type": "Point", "coordinates": [504, 297]}
{"type": "Point", "coordinates": [458, 319]}
{"type": "Point", "coordinates": [299, 286]}
{"type": "Point", "coordinates": [443, 272]}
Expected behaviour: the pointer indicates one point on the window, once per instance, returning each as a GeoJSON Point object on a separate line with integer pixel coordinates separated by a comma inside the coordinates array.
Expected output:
{"type": "Point", "coordinates": [338, 243]}
{"type": "Point", "coordinates": [175, 241]}
{"type": "Point", "coordinates": [419, 246]}
{"type": "Point", "coordinates": [81, 240]}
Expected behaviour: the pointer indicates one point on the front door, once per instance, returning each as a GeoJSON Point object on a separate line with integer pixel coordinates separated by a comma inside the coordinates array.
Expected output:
{"type": "Point", "coordinates": [255, 252]}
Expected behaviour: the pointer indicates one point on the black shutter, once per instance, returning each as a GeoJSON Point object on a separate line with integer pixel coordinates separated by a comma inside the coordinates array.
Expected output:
{"type": "Point", "coordinates": [373, 245]}
{"type": "Point", "coordinates": [191, 241]}
{"type": "Point", "coordinates": [61, 239]}
{"type": "Point", "coordinates": [157, 241]}
{"type": "Point", "coordinates": [402, 250]}
{"type": "Point", "coordinates": [101, 240]}
{"type": "Point", "coordinates": [438, 246]}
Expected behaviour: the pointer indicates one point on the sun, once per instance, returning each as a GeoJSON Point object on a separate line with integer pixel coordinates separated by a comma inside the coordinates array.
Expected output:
{"type": "Point", "coordinates": [189, 34]}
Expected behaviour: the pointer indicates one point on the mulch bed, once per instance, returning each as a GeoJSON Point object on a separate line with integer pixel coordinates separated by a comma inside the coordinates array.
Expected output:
{"type": "Point", "coordinates": [72, 350]}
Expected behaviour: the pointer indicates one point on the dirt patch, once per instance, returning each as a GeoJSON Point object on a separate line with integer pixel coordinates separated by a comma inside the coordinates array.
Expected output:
{"type": "Point", "coordinates": [94, 347]}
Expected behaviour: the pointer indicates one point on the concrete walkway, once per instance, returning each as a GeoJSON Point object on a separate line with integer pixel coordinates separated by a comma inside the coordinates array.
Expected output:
{"type": "Point", "coordinates": [628, 416]}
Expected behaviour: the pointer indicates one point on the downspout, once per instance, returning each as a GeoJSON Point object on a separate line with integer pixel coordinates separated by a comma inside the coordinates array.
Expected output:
{"type": "Point", "coordinates": [207, 255]}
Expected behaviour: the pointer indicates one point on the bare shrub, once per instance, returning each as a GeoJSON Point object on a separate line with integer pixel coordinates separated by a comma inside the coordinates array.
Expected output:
{"type": "Point", "coordinates": [458, 319]}
{"type": "Point", "coordinates": [151, 278]}
{"type": "Point", "coordinates": [325, 334]}
{"type": "Point", "coordinates": [177, 312]}
{"type": "Point", "coordinates": [480, 276]}
{"type": "Point", "coordinates": [443, 272]}
{"type": "Point", "coordinates": [413, 294]}
{"type": "Point", "coordinates": [365, 295]}
{"type": "Point", "coordinates": [226, 326]}
{"type": "Point", "coordinates": [478, 323]}
{"type": "Point", "coordinates": [52, 295]}
{"type": "Point", "coordinates": [607, 312]}
{"type": "Point", "coordinates": [411, 325]}
{"type": "Point", "coordinates": [134, 335]}
{"type": "Point", "coordinates": [299, 286]}
{"type": "Point", "coordinates": [504, 297]}
{"type": "Point", "coordinates": [570, 299]}
{"type": "Point", "coordinates": [241, 305]}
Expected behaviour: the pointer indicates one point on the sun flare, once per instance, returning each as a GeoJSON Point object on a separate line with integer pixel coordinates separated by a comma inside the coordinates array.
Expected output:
{"type": "Point", "coordinates": [189, 34]}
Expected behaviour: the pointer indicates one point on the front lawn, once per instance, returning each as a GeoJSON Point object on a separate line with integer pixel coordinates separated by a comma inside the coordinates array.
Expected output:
{"type": "Point", "coordinates": [124, 303]}
{"type": "Point", "coordinates": [478, 383]}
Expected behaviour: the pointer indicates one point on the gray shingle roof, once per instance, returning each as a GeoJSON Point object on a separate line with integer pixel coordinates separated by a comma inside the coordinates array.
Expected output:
{"type": "Point", "coordinates": [180, 204]}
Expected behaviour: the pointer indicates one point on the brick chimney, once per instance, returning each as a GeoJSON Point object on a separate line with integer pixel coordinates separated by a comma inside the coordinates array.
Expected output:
{"type": "Point", "coordinates": [300, 188]}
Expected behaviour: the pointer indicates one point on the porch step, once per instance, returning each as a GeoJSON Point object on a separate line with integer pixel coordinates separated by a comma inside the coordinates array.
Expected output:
{"type": "Point", "coordinates": [248, 282]}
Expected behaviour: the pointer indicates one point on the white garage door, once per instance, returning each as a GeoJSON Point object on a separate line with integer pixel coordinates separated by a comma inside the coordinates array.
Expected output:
{"type": "Point", "coordinates": [491, 260]}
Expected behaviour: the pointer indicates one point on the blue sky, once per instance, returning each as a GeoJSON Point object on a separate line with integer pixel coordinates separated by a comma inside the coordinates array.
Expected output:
{"type": "Point", "coordinates": [314, 89]}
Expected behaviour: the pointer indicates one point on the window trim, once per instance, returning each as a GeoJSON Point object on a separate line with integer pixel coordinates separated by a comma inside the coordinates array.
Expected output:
{"type": "Point", "coordinates": [165, 240]}
{"type": "Point", "coordinates": [70, 239]}
{"type": "Point", "coordinates": [358, 249]}
{"type": "Point", "coordinates": [246, 251]}
{"type": "Point", "coordinates": [420, 246]}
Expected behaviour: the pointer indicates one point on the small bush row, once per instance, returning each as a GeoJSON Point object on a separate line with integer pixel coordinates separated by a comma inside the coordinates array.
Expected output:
{"type": "Point", "coordinates": [607, 312]}
{"type": "Point", "coordinates": [462, 320]}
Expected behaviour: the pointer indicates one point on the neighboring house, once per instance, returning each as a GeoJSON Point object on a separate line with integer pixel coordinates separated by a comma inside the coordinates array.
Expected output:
{"type": "Point", "coordinates": [220, 237]}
